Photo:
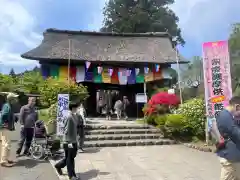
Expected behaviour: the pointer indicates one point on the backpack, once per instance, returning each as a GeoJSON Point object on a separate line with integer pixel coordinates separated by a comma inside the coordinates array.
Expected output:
{"type": "Point", "coordinates": [5, 113]}
{"type": "Point", "coordinates": [215, 134]}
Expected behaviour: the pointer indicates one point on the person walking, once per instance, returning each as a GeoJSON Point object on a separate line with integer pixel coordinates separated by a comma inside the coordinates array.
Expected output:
{"type": "Point", "coordinates": [7, 124]}
{"type": "Point", "coordinates": [229, 150]}
{"type": "Point", "coordinates": [81, 130]}
{"type": "Point", "coordinates": [125, 105]}
{"type": "Point", "coordinates": [70, 146]}
{"type": "Point", "coordinates": [101, 105]}
{"type": "Point", "coordinates": [118, 107]}
{"type": "Point", "coordinates": [27, 117]}
{"type": "Point", "coordinates": [108, 105]}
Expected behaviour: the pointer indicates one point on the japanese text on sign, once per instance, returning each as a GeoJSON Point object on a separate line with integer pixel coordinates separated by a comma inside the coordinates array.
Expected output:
{"type": "Point", "coordinates": [62, 112]}
{"type": "Point", "coordinates": [217, 84]}
{"type": "Point", "coordinates": [217, 78]}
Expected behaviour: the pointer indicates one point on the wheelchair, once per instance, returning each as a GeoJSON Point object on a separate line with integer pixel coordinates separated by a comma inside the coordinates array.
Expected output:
{"type": "Point", "coordinates": [44, 148]}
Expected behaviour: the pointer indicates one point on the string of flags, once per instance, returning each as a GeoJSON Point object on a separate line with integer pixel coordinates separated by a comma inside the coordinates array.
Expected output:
{"type": "Point", "coordinates": [128, 72]}
{"type": "Point", "coordinates": [102, 74]}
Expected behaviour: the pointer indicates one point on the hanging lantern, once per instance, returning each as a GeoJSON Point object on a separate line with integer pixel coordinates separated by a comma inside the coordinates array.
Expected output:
{"type": "Point", "coordinates": [157, 67]}
{"type": "Point", "coordinates": [146, 70]}
{"type": "Point", "coordinates": [87, 63]}
{"type": "Point", "coordinates": [99, 69]}
{"type": "Point", "coordinates": [137, 71]}
{"type": "Point", "coordinates": [110, 71]}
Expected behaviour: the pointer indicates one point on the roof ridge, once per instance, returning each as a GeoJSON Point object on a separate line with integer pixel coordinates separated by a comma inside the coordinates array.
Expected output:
{"type": "Point", "coordinates": [97, 33]}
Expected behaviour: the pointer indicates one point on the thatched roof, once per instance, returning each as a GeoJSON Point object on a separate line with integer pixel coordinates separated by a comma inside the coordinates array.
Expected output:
{"type": "Point", "coordinates": [99, 46]}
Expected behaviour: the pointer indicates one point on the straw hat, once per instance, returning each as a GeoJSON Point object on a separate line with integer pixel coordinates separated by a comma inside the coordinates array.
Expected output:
{"type": "Point", "coordinates": [11, 96]}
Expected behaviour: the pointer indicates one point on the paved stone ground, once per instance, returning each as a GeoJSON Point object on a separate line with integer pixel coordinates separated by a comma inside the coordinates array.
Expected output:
{"type": "Point", "coordinates": [174, 162]}
{"type": "Point", "coordinates": [26, 168]}
{"type": "Point", "coordinates": [113, 121]}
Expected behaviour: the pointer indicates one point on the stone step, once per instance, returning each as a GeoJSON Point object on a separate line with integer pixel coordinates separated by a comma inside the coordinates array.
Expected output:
{"type": "Point", "coordinates": [117, 126]}
{"type": "Point", "coordinates": [121, 137]}
{"type": "Point", "coordinates": [140, 142]}
{"type": "Point", "coordinates": [121, 131]}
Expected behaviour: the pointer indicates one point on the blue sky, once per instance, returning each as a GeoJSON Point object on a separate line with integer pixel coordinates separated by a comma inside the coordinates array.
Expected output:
{"type": "Point", "coordinates": [23, 21]}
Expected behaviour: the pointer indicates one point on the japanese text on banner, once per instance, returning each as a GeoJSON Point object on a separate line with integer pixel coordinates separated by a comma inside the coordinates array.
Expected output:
{"type": "Point", "coordinates": [217, 78]}
{"type": "Point", "coordinates": [62, 112]}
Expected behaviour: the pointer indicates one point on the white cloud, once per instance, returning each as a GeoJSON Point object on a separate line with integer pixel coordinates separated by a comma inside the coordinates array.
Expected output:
{"type": "Point", "coordinates": [200, 20]}
{"type": "Point", "coordinates": [16, 33]}
{"type": "Point", "coordinates": [206, 20]}
{"type": "Point", "coordinates": [97, 15]}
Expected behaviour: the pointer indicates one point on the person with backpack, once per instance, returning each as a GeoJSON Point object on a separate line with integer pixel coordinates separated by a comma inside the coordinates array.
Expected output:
{"type": "Point", "coordinates": [7, 124]}
{"type": "Point", "coordinates": [228, 149]}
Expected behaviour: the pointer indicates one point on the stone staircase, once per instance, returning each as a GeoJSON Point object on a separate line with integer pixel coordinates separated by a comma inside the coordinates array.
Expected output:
{"type": "Point", "coordinates": [103, 133]}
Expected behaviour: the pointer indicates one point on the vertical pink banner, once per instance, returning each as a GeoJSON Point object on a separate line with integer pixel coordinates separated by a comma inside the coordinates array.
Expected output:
{"type": "Point", "coordinates": [217, 76]}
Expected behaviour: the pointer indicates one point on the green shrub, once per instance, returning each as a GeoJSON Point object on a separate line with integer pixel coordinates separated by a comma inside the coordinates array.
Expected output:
{"type": "Point", "coordinates": [165, 89]}
{"type": "Point", "coordinates": [150, 120]}
{"type": "Point", "coordinates": [194, 111]}
{"type": "Point", "coordinates": [176, 124]}
{"type": "Point", "coordinates": [52, 112]}
{"type": "Point", "coordinates": [175, 120]}
{"type": "Point", "coordinates": [51, 87]}
{"type": "Point", "coordinates": [172, 125]}
{"type": "Point", "coordinates": [160, 120]}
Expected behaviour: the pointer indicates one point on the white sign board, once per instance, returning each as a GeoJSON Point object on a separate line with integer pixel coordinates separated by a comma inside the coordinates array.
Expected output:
{"type": "Point", "coordinates": [141, 98]}
{"type": "Point", "coordinates": [62, 112]}
{"type": "Point", "coordinates": [171, 91]}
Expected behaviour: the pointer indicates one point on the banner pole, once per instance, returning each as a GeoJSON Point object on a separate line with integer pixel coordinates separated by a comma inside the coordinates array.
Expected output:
{"type": "Point", "coordinates": [179, 75]}
{"type": "Point", "coordinates": [69, 63]}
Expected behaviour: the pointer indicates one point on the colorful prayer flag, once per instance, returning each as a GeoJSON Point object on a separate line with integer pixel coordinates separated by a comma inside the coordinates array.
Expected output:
{"type": "Point", "coordinates": [137, 71]}
{"type": "Point", "coordinates": [87, 64]}
{"type": "Point", "coordinates": [157, 66]}
{"type": "Point", "coordinates": [110, 71]}
{"type": "Point", "coordinates": [99, 69]}
{"type": "Point", "coordinates": [146, 70]}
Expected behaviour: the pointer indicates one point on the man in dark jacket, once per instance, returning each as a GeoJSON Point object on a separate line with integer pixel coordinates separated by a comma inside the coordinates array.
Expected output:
{"type": "Point", "coordinates": [229, 155]}
{"type": "Point", "coordinates": [70, 139]}
{"type": "Point", "coordinates": [27, 117]}
{"type": "Point", "coordinates": [7, 121]}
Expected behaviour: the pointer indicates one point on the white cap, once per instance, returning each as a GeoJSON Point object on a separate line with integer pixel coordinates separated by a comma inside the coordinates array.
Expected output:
{"type": "Point", "coordinates": [11, 96]}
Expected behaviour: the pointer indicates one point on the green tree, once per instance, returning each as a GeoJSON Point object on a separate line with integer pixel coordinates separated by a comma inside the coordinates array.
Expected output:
{"type": "Point", "coordinates": [192, 71]}
{"type": "Point", "coordinates": [51, 87]}
{"type": "Point", "coordinates": [7, 83]}
{"type": "Point", "coordinates": [140, 16]}
{"type": "Point", "coordinates": [30, 82]}
{"type": "Point", "coordinates": [12, 73]}
{"type": "Point", "coordinates": [234, 47]}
